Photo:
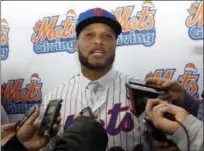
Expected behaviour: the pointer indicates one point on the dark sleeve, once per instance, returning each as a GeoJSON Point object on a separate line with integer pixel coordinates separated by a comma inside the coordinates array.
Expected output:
{"type": "Point", "coordinates": [85, 134]}
{"type": "Point", "coordinates": [190, 104]}
{"type": "Point", "coordinates": [13, 144]}
{"type": "Point", "coordinates": [200, 115]}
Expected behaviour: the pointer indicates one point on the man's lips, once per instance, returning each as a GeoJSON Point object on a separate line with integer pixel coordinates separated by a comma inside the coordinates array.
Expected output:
{"type": "Point", "coordinates": [97, 52]}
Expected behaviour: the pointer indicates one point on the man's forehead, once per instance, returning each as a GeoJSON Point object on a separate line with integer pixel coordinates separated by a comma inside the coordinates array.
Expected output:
{"type": "Point", "coordinates": [97, 26]}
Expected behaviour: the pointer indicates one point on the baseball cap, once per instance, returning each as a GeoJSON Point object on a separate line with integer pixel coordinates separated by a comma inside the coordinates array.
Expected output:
{"type": "Point", "coordinates": [97, 15]}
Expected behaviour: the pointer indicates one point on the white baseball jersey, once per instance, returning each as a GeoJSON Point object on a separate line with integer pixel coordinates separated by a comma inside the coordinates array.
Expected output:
{"type": "Point", "coordinates": [109, 102]}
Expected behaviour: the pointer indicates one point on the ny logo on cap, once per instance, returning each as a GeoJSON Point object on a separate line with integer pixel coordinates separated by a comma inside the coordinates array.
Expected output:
{"type": "Point", "coordinates": [98, 11]}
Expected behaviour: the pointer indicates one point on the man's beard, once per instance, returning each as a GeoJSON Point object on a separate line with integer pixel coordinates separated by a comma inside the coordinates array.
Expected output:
{"type": "Point", "coordinates": [84, 61]}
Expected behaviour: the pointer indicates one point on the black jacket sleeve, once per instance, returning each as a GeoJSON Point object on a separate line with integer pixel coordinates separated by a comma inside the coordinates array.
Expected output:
{"type": "Point", "coordinates": [85, 134]}
{"type": "Point", "coordinates": [13, 145]}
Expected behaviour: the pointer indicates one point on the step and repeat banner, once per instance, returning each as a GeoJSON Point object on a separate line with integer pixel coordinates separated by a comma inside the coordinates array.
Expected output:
{"type": "Point", "coordinates": [159, 39]}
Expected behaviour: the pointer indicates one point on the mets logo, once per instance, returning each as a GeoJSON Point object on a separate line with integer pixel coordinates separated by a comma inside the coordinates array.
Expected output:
{"type": "Point", "coordinates": [195, 21]}
{"type": "Point", "coordinates": [18, 100]}
{"type": "Point", "coordinates": [4, 39]}
{"type": "Point", "coordinates": [48, 37]}
{"type": "Point", "coordinates": [188, 80]}
{"type": "Point", "coordinates": [137, 28]}
{"type": "Point", "coordinates": [98, 11]}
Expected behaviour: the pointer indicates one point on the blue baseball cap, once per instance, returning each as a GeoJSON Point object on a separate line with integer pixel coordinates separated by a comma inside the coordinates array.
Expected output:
{"type": "Point", "coordinates": [97, 15]}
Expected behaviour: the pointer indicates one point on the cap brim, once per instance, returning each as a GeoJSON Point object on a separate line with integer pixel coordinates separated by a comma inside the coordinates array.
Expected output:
{"type": "Point", "coordinates": [113, 24]}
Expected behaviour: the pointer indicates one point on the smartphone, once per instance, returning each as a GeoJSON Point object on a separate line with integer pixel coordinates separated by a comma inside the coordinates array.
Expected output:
{"type": "Point", "coordinates": [87, 112]}
{"type": "Point", "coordinates": [50, 117]}
{"type": "Point", "coordinates": [26, 116]}
{"type": "Point", "coordinates": [148, 85]}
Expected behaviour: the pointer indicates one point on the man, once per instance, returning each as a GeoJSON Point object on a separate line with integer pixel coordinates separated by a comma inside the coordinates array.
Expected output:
{"type": "Point", "coordinates": [84, 134]}
{"type": "Point", "coordinates": [99, 86]}
{"type": "Point", "coordinates": [156, 109]}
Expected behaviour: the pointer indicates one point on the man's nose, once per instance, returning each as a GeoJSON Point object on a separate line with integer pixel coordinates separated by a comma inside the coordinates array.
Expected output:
{"type": "Point", "coordinates": [98, 40]}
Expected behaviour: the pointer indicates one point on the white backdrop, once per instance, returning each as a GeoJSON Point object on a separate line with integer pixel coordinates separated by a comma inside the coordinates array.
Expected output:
{"type": "Point", "coordinates": [173, 47]}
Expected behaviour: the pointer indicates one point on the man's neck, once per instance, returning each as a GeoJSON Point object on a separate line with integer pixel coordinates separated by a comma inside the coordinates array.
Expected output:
{"type": "Point", "coordinates": [93, 74]}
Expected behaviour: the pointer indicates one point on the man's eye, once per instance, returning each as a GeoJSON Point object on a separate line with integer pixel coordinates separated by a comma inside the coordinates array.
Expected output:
{"type": "Point", "coordinates": [108, 36]}
{"type": "Point", "coordinates": [89, 34]}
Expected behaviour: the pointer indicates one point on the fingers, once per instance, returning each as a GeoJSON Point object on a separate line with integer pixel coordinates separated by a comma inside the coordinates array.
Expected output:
{"type": "Point", "coordinates": [160, 109]}
{"type": "Point", "coordinates": [33, 117]}
{"type": "Point", "coordinates": [37, 123]}
{"type": "Point", "coordinates": [158, 81]}
{"type": "Point", "coordinates": [59, 119]}
{"type": "Point", "coordinates": [55, 129]}
{"type": "Point", "coordinates": [170, 108]}
{"type": "Point", "coordinates": [169, 83]}
{"type": "Point", "coordinates": [162, 101]}
{"type": "Point", "coordinates": [150, 104]}
{"type": "Point", "coordinates": [161, 81]}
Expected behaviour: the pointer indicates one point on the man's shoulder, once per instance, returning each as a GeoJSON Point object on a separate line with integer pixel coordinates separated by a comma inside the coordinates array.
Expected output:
{"type": "Point", "coordinates": [56, 92]}
{"type": "Point", "coordinates": [125, 77]}
{"type": "Point", "coordinates": [71, 81]}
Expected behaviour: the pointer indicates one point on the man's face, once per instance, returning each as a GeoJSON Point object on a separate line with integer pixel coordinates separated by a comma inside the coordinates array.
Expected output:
{"type": "Point", "coordinates": [96, 46]}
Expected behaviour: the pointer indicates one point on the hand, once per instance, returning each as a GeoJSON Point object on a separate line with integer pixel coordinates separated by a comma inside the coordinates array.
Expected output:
{"type": "Point", "coordinates": [175, 90]}
{"type": "Point", "coordinates": [155, 110]}
{"type": "Point", "coordinates": [28, 133]}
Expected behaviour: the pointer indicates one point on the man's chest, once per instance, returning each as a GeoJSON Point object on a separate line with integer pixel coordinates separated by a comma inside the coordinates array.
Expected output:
{"type": "Point", "coordinates": [113, 111]}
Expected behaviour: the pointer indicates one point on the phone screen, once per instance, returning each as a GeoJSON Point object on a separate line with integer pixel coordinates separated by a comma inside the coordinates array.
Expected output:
{"type": "Point", "coordinates": [50, 116]}
{"type": "Point", "coordinates": [50, 113]}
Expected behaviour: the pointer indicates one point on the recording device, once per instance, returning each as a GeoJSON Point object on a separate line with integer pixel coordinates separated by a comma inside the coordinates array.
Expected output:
{"type": "Point", "coordinates": [138, 92]}
{"type": "Point", "coordinates": [87, 112]}
{"type": "Point", "coordinates": [145, 84]}
{"type": "Point", "coordinates": [25, 116]}
{"type": "Point", "coordinates": [50, 117]}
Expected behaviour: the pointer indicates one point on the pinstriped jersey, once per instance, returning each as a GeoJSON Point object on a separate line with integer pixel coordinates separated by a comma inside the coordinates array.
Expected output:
{"type": "Point", "coordinates": [123, 128]}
